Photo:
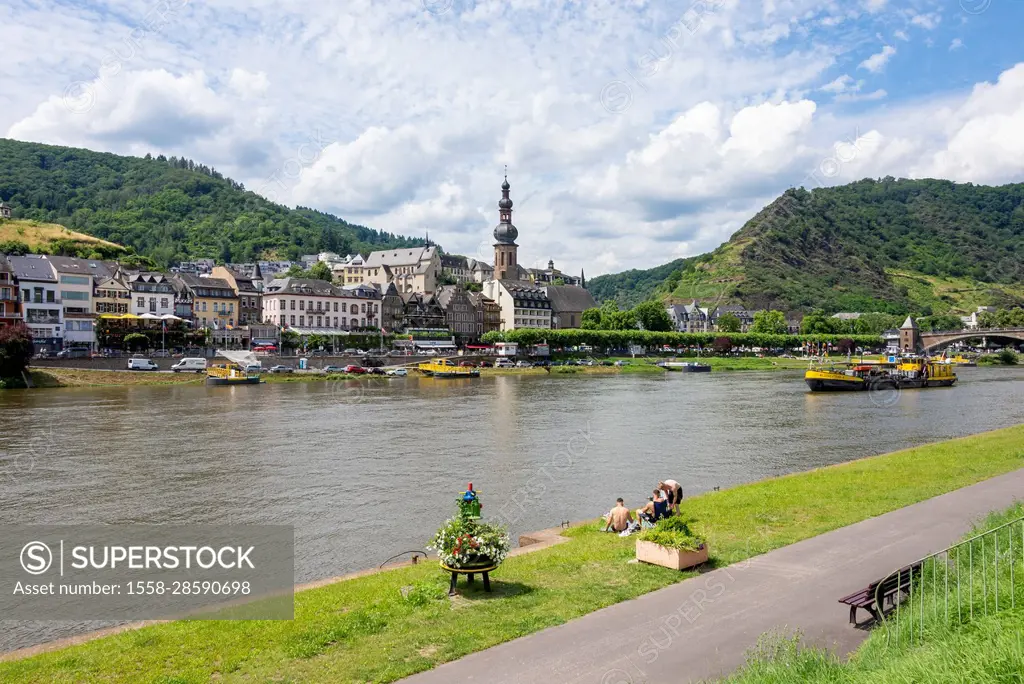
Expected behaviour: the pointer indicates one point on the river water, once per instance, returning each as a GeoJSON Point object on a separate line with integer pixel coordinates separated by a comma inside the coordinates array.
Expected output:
{"type": "Point", "coordinates": [365, 469]}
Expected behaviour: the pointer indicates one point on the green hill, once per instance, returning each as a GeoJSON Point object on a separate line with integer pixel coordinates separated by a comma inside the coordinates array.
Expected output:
{"type": "Point", "coordinates": [168, 209]}
{"type": "Point", "coordinates": [897, 246]}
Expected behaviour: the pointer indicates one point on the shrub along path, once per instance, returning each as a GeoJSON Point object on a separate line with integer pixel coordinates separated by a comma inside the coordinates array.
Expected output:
{"type": "Point", "coordinates": [385, 626]}
{"type": "Point", "coordinates": [704, 626]}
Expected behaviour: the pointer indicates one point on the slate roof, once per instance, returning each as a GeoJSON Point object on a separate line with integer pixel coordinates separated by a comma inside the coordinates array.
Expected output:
{"type": "Point", "coordinates": [32, 268]}
{"type": "Point", "coordinates": [569, 298]}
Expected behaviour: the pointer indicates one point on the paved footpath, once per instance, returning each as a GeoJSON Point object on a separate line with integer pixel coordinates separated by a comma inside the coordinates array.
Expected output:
{"type": "Point", "coordinates": [702, 627]}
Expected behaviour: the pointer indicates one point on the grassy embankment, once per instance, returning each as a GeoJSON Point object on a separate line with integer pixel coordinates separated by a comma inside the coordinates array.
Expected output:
{"type": "Point", "coordinates": [41, 236]}
{"type": "Point", "coordinates": [388, 625]}
{"type": "Point", "coordinates": [953, 647]}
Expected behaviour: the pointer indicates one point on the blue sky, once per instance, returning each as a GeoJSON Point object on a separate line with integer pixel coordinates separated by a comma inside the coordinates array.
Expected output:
{"type": "Point", "coordinates": [635, 132]}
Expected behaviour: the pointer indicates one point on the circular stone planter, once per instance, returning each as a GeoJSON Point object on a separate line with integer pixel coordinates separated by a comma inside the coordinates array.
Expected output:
{"type": "Point", "coordinates": [676, 559]}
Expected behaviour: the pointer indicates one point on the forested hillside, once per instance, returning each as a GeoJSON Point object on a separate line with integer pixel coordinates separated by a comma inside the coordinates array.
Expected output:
{"type": "Point", "coordinates": [168, 209]}
{"type": "Point", "coordinates": [924, 246]}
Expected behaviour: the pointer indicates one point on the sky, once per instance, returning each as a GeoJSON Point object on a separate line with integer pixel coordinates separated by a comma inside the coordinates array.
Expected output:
{"type": "Point", "coordinates": [634, 132]}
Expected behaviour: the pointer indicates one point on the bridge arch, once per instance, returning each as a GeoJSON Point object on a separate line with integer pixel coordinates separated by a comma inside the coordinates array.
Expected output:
{"type": "Point", "coordinates": [936, 340]}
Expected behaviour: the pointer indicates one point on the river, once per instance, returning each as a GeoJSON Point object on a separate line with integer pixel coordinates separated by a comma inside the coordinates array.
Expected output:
{"type": "Point", "coordinates": [365, 469]}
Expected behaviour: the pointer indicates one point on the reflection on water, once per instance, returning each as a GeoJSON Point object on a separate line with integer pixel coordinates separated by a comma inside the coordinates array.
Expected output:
{"type": "Point", "coordinates": [367, 468]}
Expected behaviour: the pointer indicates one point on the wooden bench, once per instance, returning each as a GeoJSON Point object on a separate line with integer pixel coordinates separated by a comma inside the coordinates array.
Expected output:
{"type": "Point", "coordinates": [873, 597]}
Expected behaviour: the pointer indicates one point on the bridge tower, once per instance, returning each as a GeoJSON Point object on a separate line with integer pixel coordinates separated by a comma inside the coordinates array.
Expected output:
{"type": "Point", "coordinates": [910, 336]}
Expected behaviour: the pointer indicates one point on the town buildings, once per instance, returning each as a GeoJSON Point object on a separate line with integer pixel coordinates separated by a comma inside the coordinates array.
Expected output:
{"type": "Point", "coordinates": [488, 313]}
{"type": "Point", "coordinates": [460, 314]}
{"type": "Point", "coordinates": [568, 302]}
{"type": "Point", "coordinates": [250, 305]}
{"type": "Point", "coordinates": [392, 308]}
{"type": "Point", "coordinates": [214, 303]}
{"type": "Point", "coordinates": [411, 269]}
{"type": "Point", "coordinates": [78, 279]}
{"type": "Point", "coordinates": [112, 296]}
{"type": "Point", "coordinates": [152, 293]}
{"type": "Point", "coordinates": [10, 311]}
{"type": "Point", "coordinates": [310, 306]}
{"type": "Point", "coordinates": [456, 268]}
{"type": "Point", "coordinates": [522, 303]}
{"type": "Point", "coordinates": [41, 306]}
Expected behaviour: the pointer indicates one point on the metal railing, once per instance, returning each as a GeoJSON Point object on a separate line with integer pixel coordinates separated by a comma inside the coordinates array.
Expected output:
{"type": "Point", "coordinates": [979, 576]}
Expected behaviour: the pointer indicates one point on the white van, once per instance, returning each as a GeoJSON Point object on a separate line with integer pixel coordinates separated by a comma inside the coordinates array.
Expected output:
{"type": "Point", "coordinates": [194, 365]}
{"type": "Point", "coordinates": [141, 364]}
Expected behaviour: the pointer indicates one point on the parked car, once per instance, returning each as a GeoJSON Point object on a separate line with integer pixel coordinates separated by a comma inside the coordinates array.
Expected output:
{"type": "Point", "coordinates": [397, 372]}
{"type": "Point", "coordinates": [74, 353]}
{"type": "Point", "coordinates": [349, 352]}
{"type": "Point", "coordinates": [281, 369]}
{"type": "Point", "coordinates": [376, 370]}
{"type": "Point", "coordinates": [254, 368]}
{"type": "Point", "coordinates": [467, 364]}
{"type": "Point", "coordinates": [333, 369]}
{"type": "Point", "coordinates": [504, 363]}
{"type": "Point", "coordinates": [190, 365]}
{"type": "Point", "coordinates": [524, 364]}
{"type": "Point", "coordinates": [141, 364]}
{"type": "Point", "coordinates": [355, 370]}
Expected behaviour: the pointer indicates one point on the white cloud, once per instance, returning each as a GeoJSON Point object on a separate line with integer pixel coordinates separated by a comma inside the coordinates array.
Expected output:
{"type": "Point", "coordinates": [862, 97]}
{"type": "Point", "coordinates": [901, 35]}
{"type": "Point", "coordinates": [877, 61]}
{"type": "Point", "coordinates": [248, 84]}
{"type": "Point", "coordinates": [842, 84]}
{"type": "Point", "coordinates": [634, 132]}
{"type": "Point", "coordinates": [956, 44]}
{"type": "Point", "coordinates": [926, 21]}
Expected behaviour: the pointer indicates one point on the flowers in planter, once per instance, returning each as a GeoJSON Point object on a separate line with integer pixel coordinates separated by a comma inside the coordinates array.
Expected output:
{"type": "Point", "coordinates": [464, 542]}
{"type": "Point", "coordinates": [674, 533]}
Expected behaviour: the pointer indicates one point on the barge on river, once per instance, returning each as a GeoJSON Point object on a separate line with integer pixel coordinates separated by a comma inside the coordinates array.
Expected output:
{"type": "Point", "coordinates": [685, 366]}
{"type": "Point", "coordinates": [242, 368]}
{"type": "Point", "coordinates": [905, 372]}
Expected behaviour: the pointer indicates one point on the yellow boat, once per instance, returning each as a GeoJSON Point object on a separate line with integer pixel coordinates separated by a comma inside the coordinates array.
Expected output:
{"type": "Point", "coordinates": [236, 371]}
{"type": "Point", "coordinates": [906, 372]}
{"type": "Point", "coordinates": [443, 368]}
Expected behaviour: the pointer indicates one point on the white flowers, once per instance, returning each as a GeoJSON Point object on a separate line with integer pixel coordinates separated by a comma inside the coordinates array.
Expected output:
{"type": "Point", "coordinates": [462, 543]}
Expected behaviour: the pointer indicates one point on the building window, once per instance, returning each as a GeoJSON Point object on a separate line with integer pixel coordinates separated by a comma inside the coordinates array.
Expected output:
{"type": "Point", "coordinates": [163, 303]}
{"type": "Point", "coordinates": [231, 307]}
{"type": "Point", "coordinates": [302, 305]}
{"type": "Point", "coordinates": [283, 321]}
{"type": "Point", "coordinates": [293, 319]}
{"type": "Point", "coordinates": [343, 305]}
{"type": "Point", "coordinates": [292, 307]}
{"type": "Point", "coordinates": [335, 321]}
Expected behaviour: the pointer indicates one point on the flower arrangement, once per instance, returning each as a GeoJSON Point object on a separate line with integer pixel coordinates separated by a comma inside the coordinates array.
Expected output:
{"type": "Point", "coordinates": [674, 533]}
{"type": "Point", "coordinates": [462, 543]}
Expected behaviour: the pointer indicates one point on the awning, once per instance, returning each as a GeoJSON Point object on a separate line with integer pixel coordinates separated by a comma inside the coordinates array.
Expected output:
{"type": "Point", "coordinates": [265, 343]}
{"type": "Point", "coordinates": [479, 346]}
{"type": "Point", "coordinates": [432, 344]}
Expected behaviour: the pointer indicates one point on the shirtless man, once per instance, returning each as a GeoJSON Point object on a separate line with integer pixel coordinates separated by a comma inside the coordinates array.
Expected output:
{"type": "Point", "coordinates": [650, 509]}
{"type": "Point", "coordinates": [674, 491]}
{"type": "Point", "coordinates": [619, 517]}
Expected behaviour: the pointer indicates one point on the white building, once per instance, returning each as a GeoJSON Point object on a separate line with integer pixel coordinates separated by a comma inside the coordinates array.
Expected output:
{"type": "Point", "coordinates": [309, 306]}
{"type": "Point", "coordinates": [523, 304]}
{"type": "Point", "coordinates": [411, 269]}
{"type": "Point", "coordinates": [78, 279]}
{"type": "Point", "coordinates": [41, 306]}
{"type": "Point", "coordinates": [152, 293]}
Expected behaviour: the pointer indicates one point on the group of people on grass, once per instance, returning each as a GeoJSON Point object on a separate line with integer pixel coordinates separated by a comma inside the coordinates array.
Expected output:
{"type": "Point", "coordinates": [664, 501]}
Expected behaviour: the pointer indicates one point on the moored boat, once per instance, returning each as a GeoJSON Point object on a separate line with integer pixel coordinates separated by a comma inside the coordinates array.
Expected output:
{"type": "Point", "coordinates": [686, 366]}
{"type": "Point", "coordinates": [241, 368]}
{"type": "Point", "coordinates": [906, 372]}
{"type": "Point", "coordinates": [443, 368]}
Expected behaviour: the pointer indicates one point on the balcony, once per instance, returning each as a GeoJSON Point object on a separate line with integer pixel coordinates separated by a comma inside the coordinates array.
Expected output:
{"type": "Point", "coordinates": [8, 297]}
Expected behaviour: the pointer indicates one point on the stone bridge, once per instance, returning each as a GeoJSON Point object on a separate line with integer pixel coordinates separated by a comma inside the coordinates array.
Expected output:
{"type": "Point", "coordinates": [934, 340]}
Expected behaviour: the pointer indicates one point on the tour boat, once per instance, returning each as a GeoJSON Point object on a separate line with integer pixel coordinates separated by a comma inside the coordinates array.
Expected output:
{"type": "Point", "coordinates": [905, 372]}
{"type": "Point", "coordinates": [236, 371]}
{"type": "Point", "coordinates": [686, 366]}
{"type": "Point", "coordinates": [443, 368]}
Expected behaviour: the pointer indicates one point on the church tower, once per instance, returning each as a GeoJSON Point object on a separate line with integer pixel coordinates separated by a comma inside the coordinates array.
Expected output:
{"type": "Point", "coordinates": [505, 235]}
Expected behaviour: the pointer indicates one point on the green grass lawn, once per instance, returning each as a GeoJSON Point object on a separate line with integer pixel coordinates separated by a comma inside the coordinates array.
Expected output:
{"type": "Point", "coordinates": [951, 647]}
{"type": "Point", "coordinates": [385, 626]}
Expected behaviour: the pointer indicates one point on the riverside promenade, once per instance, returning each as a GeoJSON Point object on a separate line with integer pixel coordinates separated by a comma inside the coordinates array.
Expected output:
{"type": "Point", "coordinates": [702, 627]}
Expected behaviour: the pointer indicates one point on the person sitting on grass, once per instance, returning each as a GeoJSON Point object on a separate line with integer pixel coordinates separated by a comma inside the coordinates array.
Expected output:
{"type": "Point", "coordinates": [618, 518]}
{"type": "Point", "coordinates": [655, 509]}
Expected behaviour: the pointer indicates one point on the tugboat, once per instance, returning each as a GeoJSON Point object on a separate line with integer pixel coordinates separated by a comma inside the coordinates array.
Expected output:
{"type": "Point", "coordinates": [242, 368]}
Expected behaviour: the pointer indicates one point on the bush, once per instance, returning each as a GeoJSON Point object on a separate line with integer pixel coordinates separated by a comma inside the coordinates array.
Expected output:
{"type": "Point", "coordinates": [674, 533]}
{"type": "Point", "coordinates": [15, 350]}
{"type": "Point", "coordinates": [1008, 357]}
{"type": "Point", "coordinates": [462, 542]}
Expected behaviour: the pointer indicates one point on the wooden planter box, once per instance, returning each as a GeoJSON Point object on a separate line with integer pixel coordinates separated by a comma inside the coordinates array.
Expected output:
{"type": "Point", "coordinates": [656, 554]}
